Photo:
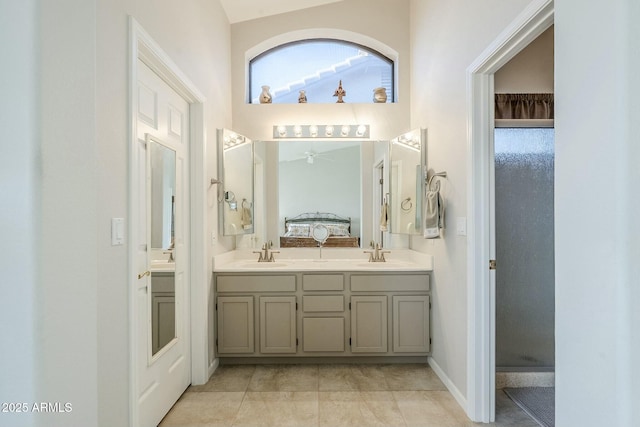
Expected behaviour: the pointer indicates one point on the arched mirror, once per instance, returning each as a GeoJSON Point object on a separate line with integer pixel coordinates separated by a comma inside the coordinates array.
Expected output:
{"type": "Point", "coordinates": [161, 212]}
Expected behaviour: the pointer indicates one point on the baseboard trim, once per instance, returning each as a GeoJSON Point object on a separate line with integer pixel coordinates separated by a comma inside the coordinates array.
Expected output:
{"type": "Point", "coordinates": [213, 366]}
{"type": "Point", "coordinates": [462, 401]}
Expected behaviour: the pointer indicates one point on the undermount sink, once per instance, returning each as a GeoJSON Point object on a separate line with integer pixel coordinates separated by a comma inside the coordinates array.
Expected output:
{"type": "Point", "coordinates": [387, 264]}
{"type": "Point", "coordinates": [256, 264]}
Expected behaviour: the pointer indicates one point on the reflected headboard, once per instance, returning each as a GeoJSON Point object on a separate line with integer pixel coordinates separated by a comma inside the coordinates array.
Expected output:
{"type": "Point", "coordinates": [298, 228]}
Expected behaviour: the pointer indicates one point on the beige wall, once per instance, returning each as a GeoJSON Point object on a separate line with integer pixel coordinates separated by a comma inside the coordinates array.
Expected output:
{"type": "Point", "coordinates": [383, 20]}
{"type": "Point", "coordinates": [446, 37]}
{"type": "Point", "coordinates": [530, 71]}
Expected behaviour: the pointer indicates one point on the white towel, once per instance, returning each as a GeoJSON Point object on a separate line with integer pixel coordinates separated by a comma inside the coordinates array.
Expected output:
{"type": "Point", "coordinates": [245, 219]}
{"type": "Point", "coordinates": [434, 215]}
{"type": "Point", "coordinates": [384, 217]}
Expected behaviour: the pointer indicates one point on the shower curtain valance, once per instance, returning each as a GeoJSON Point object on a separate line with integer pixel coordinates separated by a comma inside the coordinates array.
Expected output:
{"type": "Point", "coordinates": [524, 106]}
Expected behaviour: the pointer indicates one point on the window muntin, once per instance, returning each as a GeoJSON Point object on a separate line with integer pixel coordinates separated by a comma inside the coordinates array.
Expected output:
{"type": "Point", "coordinates": [317, 66]}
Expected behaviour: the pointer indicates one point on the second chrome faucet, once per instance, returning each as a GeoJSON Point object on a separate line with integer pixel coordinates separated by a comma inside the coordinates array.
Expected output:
{"type": "Point", "coordinates": [376, 254]}
{"type": "Point", "coordinates": [266, 253]}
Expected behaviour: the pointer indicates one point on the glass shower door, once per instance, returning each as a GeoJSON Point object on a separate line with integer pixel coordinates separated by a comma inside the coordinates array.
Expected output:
{"type": "Point", "coordinates": [525, 286]}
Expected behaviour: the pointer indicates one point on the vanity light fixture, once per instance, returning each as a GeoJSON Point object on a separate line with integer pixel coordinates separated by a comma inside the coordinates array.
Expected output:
{"type": "Point", "coordinates": [321, 131]}
{"type": "Point", "coordinates": [233, 140]}
{"type": "Point", "coordinates": [409, 141]}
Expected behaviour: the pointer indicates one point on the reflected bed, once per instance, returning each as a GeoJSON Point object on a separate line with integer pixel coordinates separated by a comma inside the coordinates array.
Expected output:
{"type": "Point", "coordinates": [298, 231]}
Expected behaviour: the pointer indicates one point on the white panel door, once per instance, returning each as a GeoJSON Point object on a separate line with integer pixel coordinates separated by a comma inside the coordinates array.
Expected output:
{"type": "Point", "coordinates": [161, 374]}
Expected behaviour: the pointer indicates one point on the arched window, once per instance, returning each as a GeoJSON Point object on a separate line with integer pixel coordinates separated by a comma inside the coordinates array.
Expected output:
{"type": "Point", "coordinates": [317, 66]}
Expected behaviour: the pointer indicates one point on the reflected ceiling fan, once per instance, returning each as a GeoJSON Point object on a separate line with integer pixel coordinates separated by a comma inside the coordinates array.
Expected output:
{"type": "Point", "coordinates": [311, 157]}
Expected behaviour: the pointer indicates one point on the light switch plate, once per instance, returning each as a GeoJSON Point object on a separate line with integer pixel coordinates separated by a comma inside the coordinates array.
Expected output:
{"type": "Point", "coordinates": [461, 226]}
{"type": "Point", "coordinates": [117, 231]}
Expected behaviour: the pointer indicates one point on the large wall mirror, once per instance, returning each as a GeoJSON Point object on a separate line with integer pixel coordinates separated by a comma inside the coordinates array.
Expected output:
{"type": "Point", "coordinates": [236, 195]}
{"type": "Point", "coordinates": [161, 212]}
{"type": "Point", "coordinates": [320, 182]}
{"type": "Point", "coordinates": [343, 184]}
{"type": "Point", "coordinates": [407, 158]}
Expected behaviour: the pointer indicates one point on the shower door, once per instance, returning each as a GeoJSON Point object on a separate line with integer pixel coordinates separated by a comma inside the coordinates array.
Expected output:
{"type": "Point", "coordinates": [524, 162]}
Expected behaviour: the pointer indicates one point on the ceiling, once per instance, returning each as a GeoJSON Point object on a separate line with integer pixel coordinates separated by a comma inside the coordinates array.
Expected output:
{"type": "Point", "coordinates": [245, 10]}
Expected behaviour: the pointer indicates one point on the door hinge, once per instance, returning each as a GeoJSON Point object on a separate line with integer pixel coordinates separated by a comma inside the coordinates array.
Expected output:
{"type": "Point", "coordinates": [296, 306]}
{"type": "Point", "coordinates": [349, 341]}
{"type": "Point", "coordinates": [429, 340]}
{"type": "Point", "coordinates": [216, 342]}
{"type": "Point", "coordinates": [216, 306]}
{"type": "Point", "coordinates": [381, 181]}
{"type": "Point", "coordinates": [492, 264]}
{"type": "Point", "coordinates": [349, 305]}
{"type": "Point", "coordinates": [296, 342]}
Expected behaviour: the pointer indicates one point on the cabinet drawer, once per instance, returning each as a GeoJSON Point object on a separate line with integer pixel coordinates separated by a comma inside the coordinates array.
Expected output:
{"type": "Point", "coordinates": [279, 283]}
{"type": "Point", "coordinates": [391, 282]}
{"type": "Point", "coordinates": [323, 282]}
{"type": "Point", "coordinates": [317, 303]}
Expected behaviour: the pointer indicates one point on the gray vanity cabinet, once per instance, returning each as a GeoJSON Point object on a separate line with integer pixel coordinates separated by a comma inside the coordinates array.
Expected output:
{"type": "Point", "coordinates": [322, 314]}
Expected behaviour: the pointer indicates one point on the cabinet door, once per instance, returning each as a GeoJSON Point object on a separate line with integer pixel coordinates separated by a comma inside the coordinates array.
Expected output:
{"type": "Point", "coordinates": [411, 324]}
{"type": "Point", "coordinates": [323, 334]}
{"type": "Point", "coordinates": [369, 324]}
{"type": "Point", "coordinates": [235, 325]}
{"type": "Point", "coordinates": [163, 318]}
{"type": "Point", "coordinates": [277, 324]}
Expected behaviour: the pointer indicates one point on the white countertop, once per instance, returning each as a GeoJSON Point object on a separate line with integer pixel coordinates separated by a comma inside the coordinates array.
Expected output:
{"type": "Point", "coordinates": [333, 259]}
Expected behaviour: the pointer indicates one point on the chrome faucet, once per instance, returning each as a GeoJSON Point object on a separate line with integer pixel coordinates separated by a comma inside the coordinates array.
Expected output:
{"type": "Point", "coordinates": [169, 251]}
{"type": "Point", "coordinates": [377, 254]}
{"type": "Point", "coordinates": [266, 253]}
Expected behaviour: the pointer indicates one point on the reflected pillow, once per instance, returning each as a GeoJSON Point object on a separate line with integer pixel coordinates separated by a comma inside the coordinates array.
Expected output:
{"type": "Point", "coordinates": [338, 229]}
{"type": "Point", "coordinates": [298, 230]}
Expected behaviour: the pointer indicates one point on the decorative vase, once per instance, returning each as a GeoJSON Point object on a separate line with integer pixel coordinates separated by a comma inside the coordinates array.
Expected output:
{"type": "Point", "coordinates": [380, 95]}
{"type": "Point", "coordinates": [265, 96]}
{"type": "Point", "coordinates": [302, 98]}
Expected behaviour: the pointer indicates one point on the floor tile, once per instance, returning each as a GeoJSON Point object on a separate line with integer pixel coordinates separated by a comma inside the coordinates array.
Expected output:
{"type": "Point", "coordinates": [508, 414]}
{"type": "Point", "coordinates": [228, 378]}
{"type": "Point", "coordinates": [351, 378]}
{"type": "Point", "coordinates": [284, 378]}
{"type": "Point", "coordinates": [278, 409]}
{"type": "Point", "coordinates": [359, 409]}
{"type": "Point", "coordinates": [411, 377]}
{"type": "Point", "coordinates": [431, 409]}
{"type": "Point", "coordinates": [211, 409]}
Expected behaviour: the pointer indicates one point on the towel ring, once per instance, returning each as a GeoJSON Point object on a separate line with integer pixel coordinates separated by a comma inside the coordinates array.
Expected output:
{"type": "Point", "coordinates": [404, 203]}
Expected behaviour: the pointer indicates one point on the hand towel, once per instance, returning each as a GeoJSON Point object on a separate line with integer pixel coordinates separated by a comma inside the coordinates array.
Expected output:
{"type": "Point", "coordinates": [246, 219]}
{"type": "Point", "coordinates": [384, 217]}
{"type": "Point", "coordinates": [434, 215]}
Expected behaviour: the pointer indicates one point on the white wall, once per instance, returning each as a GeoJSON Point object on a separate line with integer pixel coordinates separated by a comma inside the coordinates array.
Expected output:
{"type": "Point", "coordinates": [383, 20]}
{"type": "Point", "coordinates": [597, 210]}
{"type": "Point", "coordinates": [19, 214]}
{"type": "Point", "coordinates": [446, 37]}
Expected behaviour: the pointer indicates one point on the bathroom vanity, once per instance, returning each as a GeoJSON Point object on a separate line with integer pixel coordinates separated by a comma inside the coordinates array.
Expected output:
{"type": "Point", "coordinates": [339, 306]}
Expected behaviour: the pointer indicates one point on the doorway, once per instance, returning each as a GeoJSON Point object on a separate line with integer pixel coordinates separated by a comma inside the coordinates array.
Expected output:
{"type": "Point", "coordinates": [167, 203]}
{"type": "Point", "coordinates": [481, 356]}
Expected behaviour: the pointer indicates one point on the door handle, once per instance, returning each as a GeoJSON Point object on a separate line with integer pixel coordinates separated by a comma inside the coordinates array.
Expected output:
{"type": "Point", "coordinates": [146, 273]}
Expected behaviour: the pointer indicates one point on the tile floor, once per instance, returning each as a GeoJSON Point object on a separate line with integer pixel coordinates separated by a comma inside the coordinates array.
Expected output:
{"type": "Point", "coordinates": [328, 395]}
